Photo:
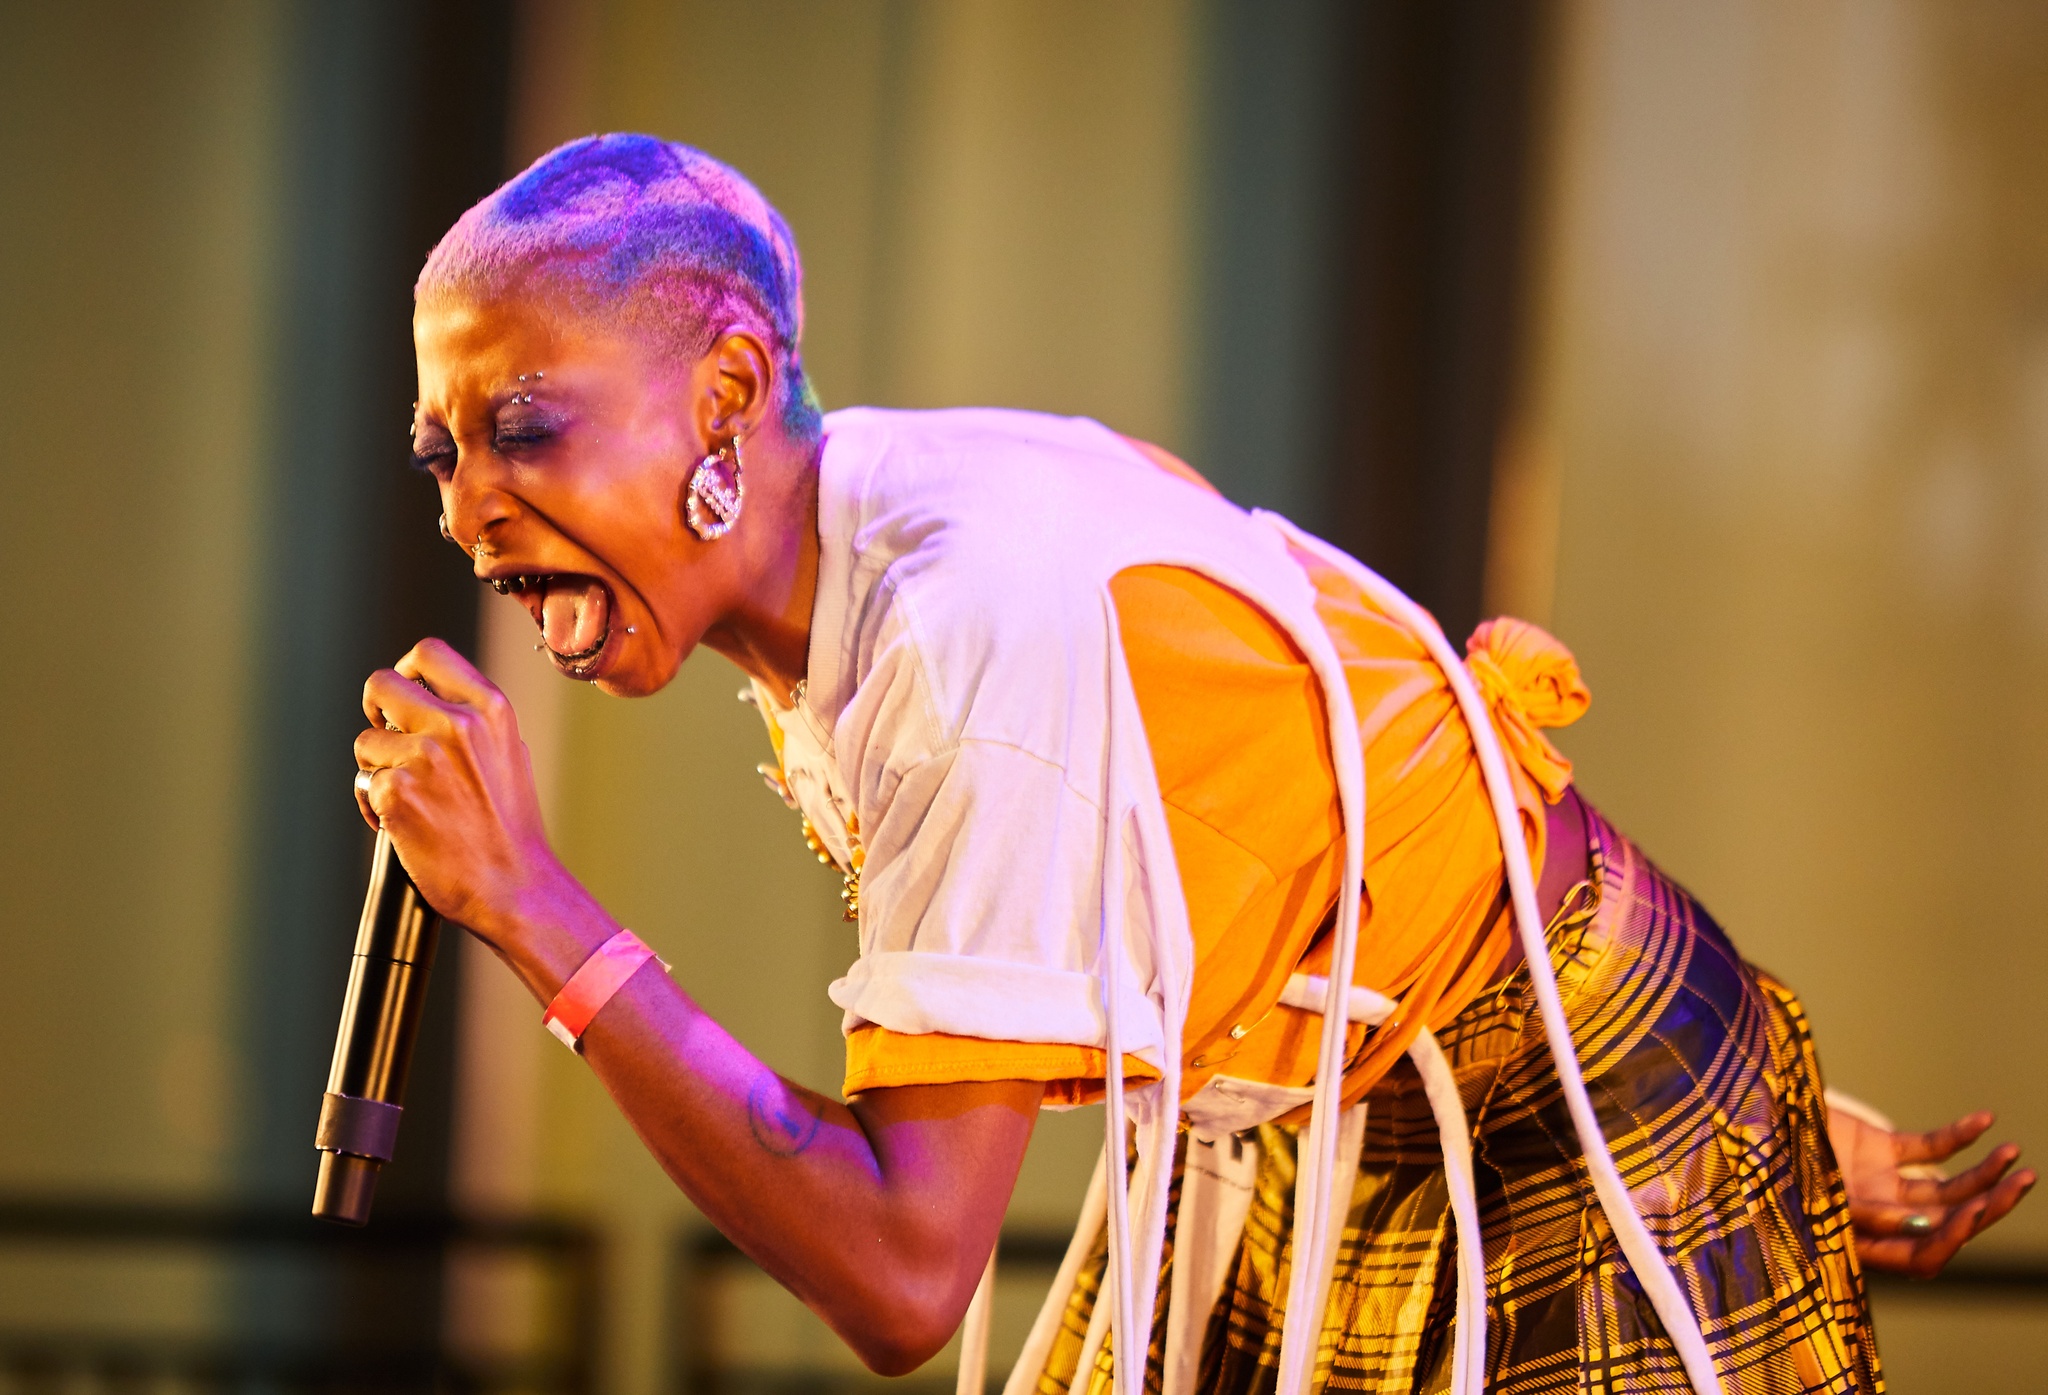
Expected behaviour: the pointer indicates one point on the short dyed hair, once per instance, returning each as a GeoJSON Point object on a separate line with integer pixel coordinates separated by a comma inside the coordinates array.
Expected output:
{"type": "Point", "coordinates": [648, 232]}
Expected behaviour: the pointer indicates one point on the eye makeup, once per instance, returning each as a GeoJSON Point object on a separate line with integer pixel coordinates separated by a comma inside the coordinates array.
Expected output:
{"type": "Point", "coordinates": [432, 449]}
{"type": "Point", "coordinates": [520, 424]}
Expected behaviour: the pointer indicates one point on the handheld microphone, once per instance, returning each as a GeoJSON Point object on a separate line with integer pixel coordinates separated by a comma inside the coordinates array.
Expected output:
{"type": "Point", "coordinates": [380, 1021]}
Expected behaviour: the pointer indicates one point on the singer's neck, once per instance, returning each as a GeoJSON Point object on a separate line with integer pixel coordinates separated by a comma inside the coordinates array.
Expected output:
{"type": "Point", "coordinates": [769, 633]}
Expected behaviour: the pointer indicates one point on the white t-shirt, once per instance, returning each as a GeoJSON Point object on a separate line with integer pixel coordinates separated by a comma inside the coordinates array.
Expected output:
{"type": "Point", "coordinates": [966, 704]}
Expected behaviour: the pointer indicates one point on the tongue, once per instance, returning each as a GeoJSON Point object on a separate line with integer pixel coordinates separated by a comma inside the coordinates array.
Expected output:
{"type": "Point", "coordinates": [574, 614]}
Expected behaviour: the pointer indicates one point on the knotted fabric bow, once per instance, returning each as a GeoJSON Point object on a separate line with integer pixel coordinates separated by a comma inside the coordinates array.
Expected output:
{"type": "Point", "coordinates": [1529, 681]}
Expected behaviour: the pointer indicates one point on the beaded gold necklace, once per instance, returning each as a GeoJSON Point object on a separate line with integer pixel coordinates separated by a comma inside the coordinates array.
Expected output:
{"type": "Point", "coordinates": [849, 891]}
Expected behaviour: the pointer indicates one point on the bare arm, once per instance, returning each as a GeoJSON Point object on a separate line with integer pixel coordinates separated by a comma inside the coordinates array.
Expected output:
{"type": "Point", "coordinates": [879, 1214]}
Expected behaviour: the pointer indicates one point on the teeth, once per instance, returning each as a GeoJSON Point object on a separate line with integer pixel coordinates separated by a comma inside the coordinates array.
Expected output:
{"type": "Point", "coordinates": [512, 585]}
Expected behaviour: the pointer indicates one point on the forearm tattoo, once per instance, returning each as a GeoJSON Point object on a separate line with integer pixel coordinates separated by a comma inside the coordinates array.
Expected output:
{"type": "Point", "coordinates": [784, 1122]}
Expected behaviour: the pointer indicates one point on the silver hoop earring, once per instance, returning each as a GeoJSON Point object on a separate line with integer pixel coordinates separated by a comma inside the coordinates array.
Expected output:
{"type": "Point", "coordinates": [710, 505]}
{"type": "Point", "coordinates": [445, 534]}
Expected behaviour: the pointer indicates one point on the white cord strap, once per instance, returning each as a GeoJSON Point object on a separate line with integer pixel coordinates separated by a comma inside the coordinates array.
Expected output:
{"type": "Point", "coordinates": [1131, 1279]}
{"type": "Point", "coordinates": [973, 1378]}
{"type": "Point", "coordinates": [1645, 1259]}
{"type": "Point", "coordinates": [1316, 1185]}
{"type": "Point", "coordinates": [1045, 1329]}
{"type": "Point", "coordinates": [1440, 1087]}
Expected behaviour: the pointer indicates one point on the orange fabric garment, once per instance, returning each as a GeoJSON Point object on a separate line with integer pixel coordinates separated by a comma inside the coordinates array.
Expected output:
{"type": "Point", "coordinates": [1238, 735]}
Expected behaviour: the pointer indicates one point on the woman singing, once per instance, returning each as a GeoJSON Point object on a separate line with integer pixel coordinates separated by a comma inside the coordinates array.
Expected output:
{"type": "Point", "coordinates": [1138, 798]}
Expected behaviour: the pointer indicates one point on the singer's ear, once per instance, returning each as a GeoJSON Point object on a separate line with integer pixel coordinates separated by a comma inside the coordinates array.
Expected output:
{"type": "Point", "coordinates": [734, 382]}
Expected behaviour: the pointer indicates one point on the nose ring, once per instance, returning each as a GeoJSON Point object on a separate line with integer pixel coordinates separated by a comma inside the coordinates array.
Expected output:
{"type": "Point", "coordinates": [478, 551]}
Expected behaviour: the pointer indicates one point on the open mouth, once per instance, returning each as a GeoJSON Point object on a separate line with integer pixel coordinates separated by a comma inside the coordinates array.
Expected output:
{"type": "Point", "coordinates": [574, 614]}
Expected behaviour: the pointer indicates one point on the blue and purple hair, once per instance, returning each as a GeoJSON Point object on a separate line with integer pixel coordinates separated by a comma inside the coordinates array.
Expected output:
{"type": "Point", "coordinates": [646, 231]}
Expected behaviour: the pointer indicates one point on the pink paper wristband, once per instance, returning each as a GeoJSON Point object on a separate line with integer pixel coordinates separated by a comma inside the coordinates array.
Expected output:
{"type": "Point", "coordinates": [593, 985]}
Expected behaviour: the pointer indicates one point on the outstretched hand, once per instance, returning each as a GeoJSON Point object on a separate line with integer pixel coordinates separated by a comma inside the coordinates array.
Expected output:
{"type": "Point", "coordinates": [1910, 1219]}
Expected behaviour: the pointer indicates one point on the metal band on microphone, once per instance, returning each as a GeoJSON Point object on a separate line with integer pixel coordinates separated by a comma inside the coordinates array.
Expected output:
{"type": "Point", "coordinates": [367, 1128]}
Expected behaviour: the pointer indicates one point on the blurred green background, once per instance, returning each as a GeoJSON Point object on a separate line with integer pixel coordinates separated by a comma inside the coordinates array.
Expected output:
{"type": "Point", "coordinates": [1713, 335]}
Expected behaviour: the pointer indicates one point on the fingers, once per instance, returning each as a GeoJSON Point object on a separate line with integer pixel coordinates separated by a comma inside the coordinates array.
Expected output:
{"type": "Point", "coordinates": [2003, 1197]}
{"type": "Point", "coordinates": [379, 754]}
{"type": "Point", "coordinates": [448, 673]}
{"type": "Point", "coordinates": [1886, 1240]}
{"type": "Point", "coordinates": [1953, 1191]}
{"type": "Point", "coordinates": [1881, 1219]}
{"type": "Point", "coordinates": [392, 701]}
{"type": "Point", "coordinates": [1944, 1142]}
{"type": "Point", "coordinates": [378, 749]}
{"type": "Point", "coordinates": [1922, 1256]}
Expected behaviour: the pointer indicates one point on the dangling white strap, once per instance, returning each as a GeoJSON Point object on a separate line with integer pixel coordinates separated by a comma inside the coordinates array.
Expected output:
{"type": "Point", "coordinates": [1343, 1183]}
{"type": "Point", "coordinates": [1131, 1279]}
{"type": "Point", "coordinates": [973, 1379]}
{"type": "Point", "coordinates": [1440, 1087]}
{"type": "Point", "coordinates": [1099, 1319]}
{"type": "Point", "coordinates": [1644, 1258]}
{"type": "Point", "coordinates": [1317, 1183]}
{"type": "Point", "coordinates": [1052, 1312]}
{"type": "Point", "coordinates": [1468, 1349]}
{"type": "Point", "coordinates": [1216, 1187]}
{"type": "Point", "coordinates": [1114, 1296]}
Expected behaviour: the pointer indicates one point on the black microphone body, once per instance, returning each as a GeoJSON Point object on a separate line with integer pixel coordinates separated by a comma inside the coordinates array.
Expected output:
{"type": "Point", "coordinates": [380, 1022]}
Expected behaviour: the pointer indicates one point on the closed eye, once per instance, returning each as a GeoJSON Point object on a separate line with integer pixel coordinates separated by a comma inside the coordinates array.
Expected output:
{"type": "Point", "coordinates": [513, 435]}
{"type": "Point", "coordinates": [434, 460]}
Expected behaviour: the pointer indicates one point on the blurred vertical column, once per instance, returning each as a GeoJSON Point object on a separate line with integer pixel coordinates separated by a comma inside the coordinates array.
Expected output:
{"type": "Point", "coordinates": [494, 1166]}
{"type": "Point", "coordinates": [392, 121]}
{"type": "Point", "coordinates": [1365, 200]}
{"type": "Point", "coordinates": [1439, 126]}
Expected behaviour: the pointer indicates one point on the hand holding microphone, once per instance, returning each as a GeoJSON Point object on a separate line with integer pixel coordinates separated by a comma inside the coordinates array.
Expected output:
{"type": "Point", "coordinates": [444, 775]}
{"type": "Point", "coordinates": [442, 769]}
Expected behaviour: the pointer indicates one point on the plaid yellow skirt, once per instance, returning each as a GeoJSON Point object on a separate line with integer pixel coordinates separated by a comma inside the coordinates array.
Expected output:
{"type": "Point", "coordinates": [1704, 1076]}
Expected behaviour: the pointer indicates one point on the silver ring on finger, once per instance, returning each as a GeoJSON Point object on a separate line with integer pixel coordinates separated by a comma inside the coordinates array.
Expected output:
{"type": "Point", "coordinates": [363, 778]}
